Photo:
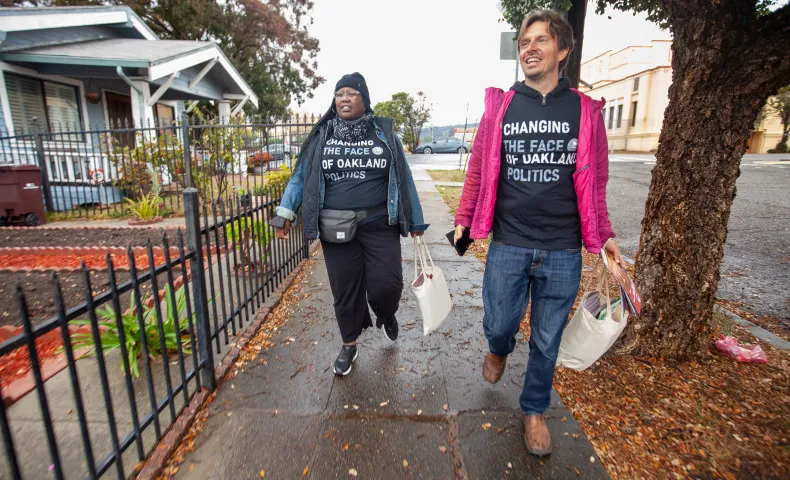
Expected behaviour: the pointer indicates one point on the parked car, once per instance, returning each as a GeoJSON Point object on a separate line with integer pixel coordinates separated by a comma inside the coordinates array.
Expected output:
{"type": "Point", "coordinates": [444, 145]}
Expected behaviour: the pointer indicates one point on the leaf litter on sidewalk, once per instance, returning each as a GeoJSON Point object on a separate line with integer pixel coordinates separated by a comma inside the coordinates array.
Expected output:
{"type": "Point", "coordinates": [711, 418]}
{"type": "Point", "coordinates": [261, 341]}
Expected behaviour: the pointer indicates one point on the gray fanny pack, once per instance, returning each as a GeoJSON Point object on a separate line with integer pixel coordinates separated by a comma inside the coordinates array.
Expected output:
{"type": "Point", "coordinates": [340, 226]}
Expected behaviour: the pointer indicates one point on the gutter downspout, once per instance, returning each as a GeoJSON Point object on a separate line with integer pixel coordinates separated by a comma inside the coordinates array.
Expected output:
{"type": "Point", "coordinates": [119, 71]}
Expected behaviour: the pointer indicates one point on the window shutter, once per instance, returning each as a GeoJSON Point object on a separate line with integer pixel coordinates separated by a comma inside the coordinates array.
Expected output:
{"type": "Point", "coordinates": [62, 106]}
{"type": "Point", "coordinates": [26, 101]}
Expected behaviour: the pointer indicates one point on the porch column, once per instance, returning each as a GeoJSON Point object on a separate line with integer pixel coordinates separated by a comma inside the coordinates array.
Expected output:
{"type": "Point", "coordinates": [224, 111]}
{"type": "Point", "coordinates": [142, 114]}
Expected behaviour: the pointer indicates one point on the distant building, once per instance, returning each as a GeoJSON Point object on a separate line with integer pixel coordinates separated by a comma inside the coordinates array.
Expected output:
{"type": "Point", "coordinates": [635, 83]}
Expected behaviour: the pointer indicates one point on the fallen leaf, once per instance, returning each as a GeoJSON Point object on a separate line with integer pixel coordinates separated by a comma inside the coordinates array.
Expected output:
{"type": "Point", "coordinates": [419, 412]}
{"type": "Point", "coordinates": [291, 339]}
{"type": "Point", "coordinates": [69, 411]}
{"type": "Point", "coordinates": [676, 462]}
{"type": "Point", "coordinates": [384, 404]}
{"type": "Point", "coordinates": [355, 407]}
{"type": "Point", "coordinates": [262, 474]}
{"type": "Point", "coordinates": [443, 449]}
{"type": "Point", "coordinates": [564, 419]}
{"type": "Point", "coordinates": [345, 448]}
{"type": "Point", "coordinates": [445, 407]}
{"type": "Point", "coordinates": [577, 471]}
{"type": "Point", "coordinates": [405, 463]}
{"type": "Point", "coordinates": [592, 459]}
{"type": "Point", "coordinates": [345, 406]}
{"type": "Point", "coordinates": [509, 465]}
{"type": "Point", "coordinates": [192, 468]}
{"type": "Point", "coordinates": [486, 426]}
{"type": "Point", "coordinates": [304, 472]}
{"type": "Point", "coordinates": [352, 472]}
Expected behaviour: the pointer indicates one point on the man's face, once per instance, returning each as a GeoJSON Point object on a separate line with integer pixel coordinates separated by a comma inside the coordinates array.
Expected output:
{"type": "Point", "coordinates": [539, 52]}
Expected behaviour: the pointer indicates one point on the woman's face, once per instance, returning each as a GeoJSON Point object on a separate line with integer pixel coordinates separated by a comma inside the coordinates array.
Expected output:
{"type": "Point", "coordinates": [349, 104]}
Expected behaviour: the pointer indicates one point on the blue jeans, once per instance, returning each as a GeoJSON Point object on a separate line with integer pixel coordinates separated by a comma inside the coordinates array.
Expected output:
{"type": "Point", "coordinates": [552, 278]}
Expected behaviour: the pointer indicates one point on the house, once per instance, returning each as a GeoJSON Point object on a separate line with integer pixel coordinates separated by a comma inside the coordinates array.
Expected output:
{"type": "Point", "coordinates": [81, 69]}
{"type": "Point", "coordinates": [635, 83]}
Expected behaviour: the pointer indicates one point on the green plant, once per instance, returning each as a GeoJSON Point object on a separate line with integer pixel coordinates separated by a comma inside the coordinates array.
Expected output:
{"type": "Point", "coordinates": [279, 177]}
{"type": "Point", "coordinates": [146, 208]}
{"type": "Point", "coordinates": [140, 167]}
{"type": "Point", "coordinates": [110, 338]}
{"type": "Point", "coordinates": [244, 228]}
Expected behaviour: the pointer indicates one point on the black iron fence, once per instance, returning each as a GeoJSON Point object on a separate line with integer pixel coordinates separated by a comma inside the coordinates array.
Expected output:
{"type": "Point", "coordinates": [90, 173]}
{"type": "Point", "coordinates": [145, 343]}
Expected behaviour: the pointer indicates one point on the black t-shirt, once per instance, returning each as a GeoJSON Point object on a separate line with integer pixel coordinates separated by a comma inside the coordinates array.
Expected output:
{"type": "Point", "coordinates": [356, 174]}
{"type": "Point", "coordinates": [536, 200]}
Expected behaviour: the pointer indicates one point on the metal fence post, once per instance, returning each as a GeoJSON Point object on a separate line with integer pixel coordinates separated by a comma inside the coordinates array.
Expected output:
{"type": "Point", "coordinates": [187, 155]}
{"type": "Point", "coordinates": [199, 292]}
{"type": "Point", "coordinates": [35, 128]}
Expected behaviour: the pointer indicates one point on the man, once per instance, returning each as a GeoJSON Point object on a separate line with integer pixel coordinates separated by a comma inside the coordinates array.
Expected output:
{"type": "Point", "coordinates": [537, 177]}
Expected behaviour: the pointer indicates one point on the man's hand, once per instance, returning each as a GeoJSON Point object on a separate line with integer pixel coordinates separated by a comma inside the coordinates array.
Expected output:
{"type": "Point", "coordinates": [282, 233]}
{"type": "Point", "coordinates": [611, 247]}
{"type": "Point", "coordinates": [416, 234]}
{"type": "Point", "coordinates": [459, 232]}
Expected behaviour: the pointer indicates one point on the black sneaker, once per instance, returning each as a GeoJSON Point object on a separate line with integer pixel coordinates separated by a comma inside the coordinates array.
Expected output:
{"type": "Point", "coordinates": [344, 362]}
{"type": "Point", "coordinates": [390, 328]}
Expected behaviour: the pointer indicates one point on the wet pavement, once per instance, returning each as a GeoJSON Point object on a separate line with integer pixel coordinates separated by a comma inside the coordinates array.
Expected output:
{"type": "Point", "coordinates": [415, 408]}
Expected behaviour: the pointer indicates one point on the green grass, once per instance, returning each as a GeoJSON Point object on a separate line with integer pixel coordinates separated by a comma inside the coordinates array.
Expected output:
{"type": "Point", "coordinates": [451, 195]}
{"type": "Point", "coordinates": [447, 175]}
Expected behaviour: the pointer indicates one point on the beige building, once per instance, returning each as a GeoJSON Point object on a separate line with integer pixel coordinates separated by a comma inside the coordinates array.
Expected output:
{"type": "Point", "coordinates": [635, 84]}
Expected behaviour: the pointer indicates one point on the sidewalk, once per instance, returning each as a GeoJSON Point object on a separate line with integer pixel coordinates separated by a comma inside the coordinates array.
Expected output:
{"type": "Point", "coordinates": [416, 408]}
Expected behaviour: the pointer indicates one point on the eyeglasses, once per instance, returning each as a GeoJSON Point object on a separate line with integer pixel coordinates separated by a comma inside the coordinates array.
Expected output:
{"type": "Point", "coordinates": [351, 95]}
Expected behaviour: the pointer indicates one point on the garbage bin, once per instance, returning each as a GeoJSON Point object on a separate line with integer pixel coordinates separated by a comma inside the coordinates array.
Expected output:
{"type": "Point", "coordinates": [21, 200]}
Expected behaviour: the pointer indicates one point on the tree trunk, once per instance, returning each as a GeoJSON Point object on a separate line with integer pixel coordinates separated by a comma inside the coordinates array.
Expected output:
{"type": "Point", "coordinates": [720, 80]}
{"type": "Point", "coordinates": [575, 17]}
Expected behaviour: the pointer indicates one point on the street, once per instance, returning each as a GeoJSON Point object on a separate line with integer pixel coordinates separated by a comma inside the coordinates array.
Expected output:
{"type": "Point", "coordinates": [756, 266]}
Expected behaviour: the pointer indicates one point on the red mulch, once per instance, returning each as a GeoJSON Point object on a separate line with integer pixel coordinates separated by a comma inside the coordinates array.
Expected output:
{"type": "Point", "coordinates": [16, 364]}
{"type": "Point", "coordinates": [57, 261]}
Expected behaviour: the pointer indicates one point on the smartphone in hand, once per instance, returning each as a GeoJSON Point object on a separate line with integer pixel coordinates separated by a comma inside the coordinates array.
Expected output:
{"type": "Point", "coordinates": [462, 244]}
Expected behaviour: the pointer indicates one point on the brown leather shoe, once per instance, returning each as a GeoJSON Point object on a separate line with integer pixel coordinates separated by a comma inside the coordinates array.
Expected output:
{"type": "Point", "coordinates": [493, 368]}
{"type": "Point", "coordinates": [536, 435]}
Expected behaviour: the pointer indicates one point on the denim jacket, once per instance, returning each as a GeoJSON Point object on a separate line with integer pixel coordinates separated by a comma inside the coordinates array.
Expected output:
{"type": "Point", "coordinates": [409, 219]}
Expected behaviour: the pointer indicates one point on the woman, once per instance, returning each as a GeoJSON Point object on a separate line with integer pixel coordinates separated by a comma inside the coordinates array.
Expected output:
{"type": "Point", "coordinates": [352, 170]}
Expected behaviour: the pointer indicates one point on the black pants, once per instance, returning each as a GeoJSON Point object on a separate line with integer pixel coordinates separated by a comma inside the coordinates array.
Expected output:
{"type": "Point", "coordinates": [366, 270]}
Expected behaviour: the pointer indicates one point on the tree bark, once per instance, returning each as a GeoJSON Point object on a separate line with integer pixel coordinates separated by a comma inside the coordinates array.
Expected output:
{"type": "Point", "coordinates": [723, 71]}
{"type": "Point", "coordinates": [576, 16]}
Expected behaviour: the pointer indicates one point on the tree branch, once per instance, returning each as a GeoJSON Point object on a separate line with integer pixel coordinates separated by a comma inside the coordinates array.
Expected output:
{"type": "Point", "coordinates": [765, 51]}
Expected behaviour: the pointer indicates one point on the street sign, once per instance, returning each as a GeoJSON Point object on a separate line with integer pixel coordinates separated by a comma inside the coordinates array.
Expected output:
{"type": "Point", "coordinates": [508, 48]}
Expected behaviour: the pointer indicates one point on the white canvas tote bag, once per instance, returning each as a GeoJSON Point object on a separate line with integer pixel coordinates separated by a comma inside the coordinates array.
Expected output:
{"type": "Point", "coordinates": [586, 337]}
{"type": "Point", "coordinates": [430, 288]}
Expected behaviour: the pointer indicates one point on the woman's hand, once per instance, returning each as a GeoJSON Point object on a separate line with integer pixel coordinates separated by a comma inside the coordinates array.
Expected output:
{"type": "Point", "coordinates": [416, 234]}
{"type": "Point", "coordinates": [611, 247]}
{"type": "Point", "coordinates": [459, 232]}
{"type": "Point", "coordinates": [282, 233]}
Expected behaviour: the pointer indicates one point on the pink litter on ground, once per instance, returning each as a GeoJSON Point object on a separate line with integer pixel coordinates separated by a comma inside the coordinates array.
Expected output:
{"type": "Point", "coordinates": [742, 353]}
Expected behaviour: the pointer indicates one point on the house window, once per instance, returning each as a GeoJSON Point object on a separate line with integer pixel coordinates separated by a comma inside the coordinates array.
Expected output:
{"type": "Point", "coordinates": [611, 117]}
{"type": "Point", "coordinates": [165, 117]}
{"type": "Point", "coordinates": [633, 114]}
{"type": "Point", "coordinates": [636, 84]}
{"type": "Point", "coordinates": [619, 115]}
{"type": "Point", "coordinates": [54, 104]}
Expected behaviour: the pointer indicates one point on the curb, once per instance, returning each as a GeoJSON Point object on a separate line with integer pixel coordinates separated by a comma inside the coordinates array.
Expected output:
{"type": "Point", "coordinates": [155, 463]}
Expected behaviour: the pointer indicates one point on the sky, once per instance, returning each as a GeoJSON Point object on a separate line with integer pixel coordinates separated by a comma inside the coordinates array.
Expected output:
{"type": "Point", "coordinates": [448, 49]}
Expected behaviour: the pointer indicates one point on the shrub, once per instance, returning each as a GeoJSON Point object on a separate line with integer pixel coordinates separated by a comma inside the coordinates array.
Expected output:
{"type": "Point", "coordinates": [110, 337]}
